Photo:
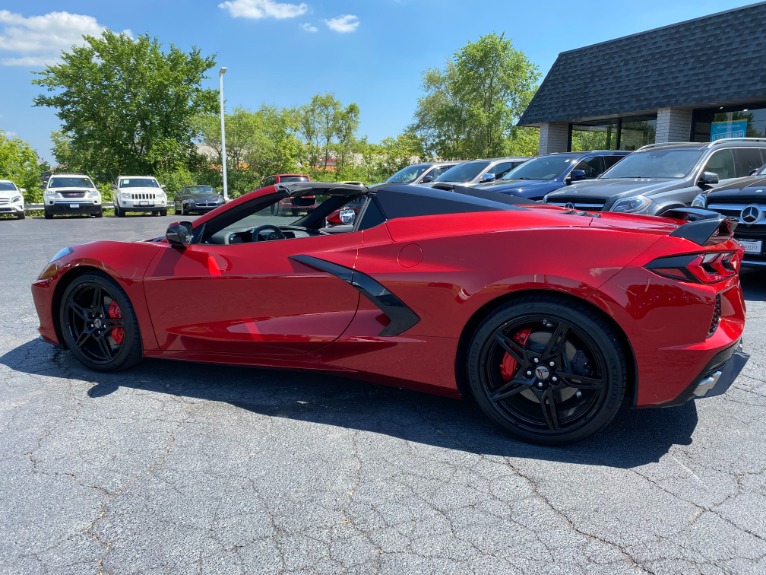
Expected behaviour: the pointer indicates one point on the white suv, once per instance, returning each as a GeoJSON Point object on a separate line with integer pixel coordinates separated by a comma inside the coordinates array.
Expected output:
{"type": "Point", "coordinates": [71, 194]}
{"type": "Point", "coordinates": [11, 199]}
{"type": "Point", "coordinates": [139, 194]}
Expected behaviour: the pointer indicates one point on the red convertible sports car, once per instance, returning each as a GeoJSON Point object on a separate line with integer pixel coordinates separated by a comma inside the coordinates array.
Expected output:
{"type": "Point", "coordinates": [548, 317]}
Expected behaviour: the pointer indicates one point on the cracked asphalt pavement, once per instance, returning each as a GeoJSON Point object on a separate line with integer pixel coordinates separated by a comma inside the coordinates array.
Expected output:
{"type": "Point", "coordinates": [185, 468]}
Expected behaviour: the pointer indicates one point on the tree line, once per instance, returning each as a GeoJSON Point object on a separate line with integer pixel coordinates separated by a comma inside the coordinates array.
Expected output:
{"type": "Point", "coordinates": [129, 107]}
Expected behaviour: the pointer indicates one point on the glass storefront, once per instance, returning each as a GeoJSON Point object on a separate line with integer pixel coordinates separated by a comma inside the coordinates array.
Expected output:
{"type": "Point", "coordinates": [711, 124]}
{"type": "Point", "coordinates": [628, 133]}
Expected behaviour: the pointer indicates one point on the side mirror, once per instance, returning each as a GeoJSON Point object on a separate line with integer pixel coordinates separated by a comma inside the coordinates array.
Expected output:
{"type": "Point", "coordinates": [22, 190]}
{"type": "Point", "coordinates": [163, 186]}
{"type": "Point", "coordinates": [488, 177]}
{"type": "Point", "coordinates": [708, 179]}
{"type": "Point", "coordinates": [347, 216]}
{"type": "Point", "coordinates": [113, 186]}
{"type": "Point", "coordinates": [753, 172]}
{"type": "Point", "coordinates": [576, 175]}
{"type": "Point", "coordinates": [427, 179]}
{"type": "Point", "coordinates": [179, 234]}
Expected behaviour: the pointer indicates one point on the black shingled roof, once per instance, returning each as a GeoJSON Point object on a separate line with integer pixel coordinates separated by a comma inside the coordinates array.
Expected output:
{"type": "Point", "coordinates": [710, 61]}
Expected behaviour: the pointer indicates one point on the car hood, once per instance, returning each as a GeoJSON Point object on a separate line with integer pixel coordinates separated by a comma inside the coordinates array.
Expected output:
{"type": "Point", "coordinates": [617, 187]}
{"type": "Point", "coordinates": [70, 189]}
{"type": "Point", "coordinates": [149, 190]}
{"type": "Point", "coordinates": [200, 196]}
{"type": "Point", "coordinates": [10, 193]}
{"type": "Point", "coordinates": [531, 189]}
{"type": "Point", "coordinates": [750, 188]}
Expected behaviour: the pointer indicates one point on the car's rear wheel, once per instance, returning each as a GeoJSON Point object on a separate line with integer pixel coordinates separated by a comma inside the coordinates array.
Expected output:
{"type": "Point", "coordinates": [99, 325]}
{"type": "Point", "coordinates": [548, 372]}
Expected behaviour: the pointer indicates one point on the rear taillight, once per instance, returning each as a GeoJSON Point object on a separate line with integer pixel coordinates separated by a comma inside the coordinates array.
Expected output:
{"type": "Point", "coordinates": [705, 268]}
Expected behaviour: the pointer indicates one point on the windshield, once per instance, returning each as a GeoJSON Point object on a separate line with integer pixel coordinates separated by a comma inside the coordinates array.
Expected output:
{"type": "Point", "coordinates": [543, 168]}
{"type": "Point", "coordinates": [70, 182]}
{"type": "Point", "coordinates": [198, 190]}
{"type": "Point", "coordinates": [407, 175]}
{"type": "Point", "coordinates": [663, 163]}
{"type": "Point", "coordinates": [762, 171]}
{"type": "Point", "coordinates": [8, 186]}
{"type": "Point", "coordinates": [463, 172]}
{"type": "Point", "coordinates": [139, 183]}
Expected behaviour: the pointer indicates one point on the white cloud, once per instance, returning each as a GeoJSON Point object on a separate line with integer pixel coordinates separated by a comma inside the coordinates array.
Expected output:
{"type": "Point", "coordinates": [39, 40]}
{"type": "Point", "coordinates": [257, 9]}
{"type": "Point", "coordinates": [309, 27]}
{"type": "Point", "coordinates": [343, 24]}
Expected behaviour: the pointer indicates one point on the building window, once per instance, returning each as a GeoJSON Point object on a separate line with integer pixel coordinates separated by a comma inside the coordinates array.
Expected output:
{"type": "Point", "coordinates": [712, 124]}
{"type": "Point", "coordinates": [622, 134]}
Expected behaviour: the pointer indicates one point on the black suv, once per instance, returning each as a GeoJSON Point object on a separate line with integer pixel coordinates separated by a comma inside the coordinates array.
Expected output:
{"type": "Point", "coordinates": [659, 177]}
{"type": "Point", "coordinates": [743, 200]}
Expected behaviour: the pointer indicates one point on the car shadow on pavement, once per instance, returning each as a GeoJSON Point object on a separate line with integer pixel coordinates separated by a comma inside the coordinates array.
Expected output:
{"type": "Point", "coordinates": [635, 437]}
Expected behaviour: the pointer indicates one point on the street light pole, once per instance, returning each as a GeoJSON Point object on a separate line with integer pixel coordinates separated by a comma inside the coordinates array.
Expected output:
{"type": "Point", "coordinates": [221, 72]}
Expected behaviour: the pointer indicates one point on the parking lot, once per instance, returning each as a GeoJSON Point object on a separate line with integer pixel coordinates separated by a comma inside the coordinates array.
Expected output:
{"type": "Point", "coordinates": [187, 468]}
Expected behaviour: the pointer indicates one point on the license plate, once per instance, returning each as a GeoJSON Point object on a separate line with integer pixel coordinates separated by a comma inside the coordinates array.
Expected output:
{"type": "Point", "coordinates": [751, 246]}
{"type": "Point", "coordinates": [144, 203]}
{"type": "Point", "coordinates": [73, 206]}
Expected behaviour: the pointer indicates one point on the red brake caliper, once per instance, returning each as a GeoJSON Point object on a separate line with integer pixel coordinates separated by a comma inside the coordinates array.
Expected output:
{"type": "Point", "coordinates": [509, 365]}
{"type": "Point", "coordinates": [115, 313]}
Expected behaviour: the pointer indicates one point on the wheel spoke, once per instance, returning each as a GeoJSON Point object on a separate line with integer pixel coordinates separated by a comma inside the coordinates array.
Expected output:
{"type": "Point", "coordinates": [77, 309]}
{"type": "Point", "coordinates": [556, 341]}
{"type": "Point", "coordinates": [106, 349]}
{"type": "Point", "coordinates": [516, 351]}
{"type": "Point", "coordinates": [583, 382]}
{"type": "Point", "coordinates": [513, 387]}
{"type": "Point", "coordinates": [550, 411]}
{"type": "Point", "coordinates": [96, 300]}
{"type": "Point", "coordinates": [83, 338]}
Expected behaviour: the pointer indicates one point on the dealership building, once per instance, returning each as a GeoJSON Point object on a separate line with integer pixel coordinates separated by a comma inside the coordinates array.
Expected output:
{"type": "Point", "coordinates": [698, 80]}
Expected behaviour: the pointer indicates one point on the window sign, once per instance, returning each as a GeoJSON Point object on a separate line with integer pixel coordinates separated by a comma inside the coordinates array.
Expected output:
{"type": "Point", "coordinates": [735, 129]}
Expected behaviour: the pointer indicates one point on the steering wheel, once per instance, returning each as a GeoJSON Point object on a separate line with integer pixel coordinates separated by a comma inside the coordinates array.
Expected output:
{"type": "Point", "coordinates": [276, 233]}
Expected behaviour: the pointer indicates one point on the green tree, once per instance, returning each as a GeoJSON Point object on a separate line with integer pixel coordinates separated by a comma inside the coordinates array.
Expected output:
{"type": "Point", "coordinates": [121, 101]}
{"type": "Point", "coordinates": [469, 109]}
{"type": "Point", "coordinates": [19, 162]}
{"type": "Point", "coordinates": [328, 129]}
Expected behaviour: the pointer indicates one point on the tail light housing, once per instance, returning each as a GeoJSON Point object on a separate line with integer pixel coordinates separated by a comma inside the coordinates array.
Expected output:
{"type": "Point", "coordinates": [704, 268]}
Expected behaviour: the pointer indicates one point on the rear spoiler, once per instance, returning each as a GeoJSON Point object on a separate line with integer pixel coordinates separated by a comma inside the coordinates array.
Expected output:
{"type": "Point", "coordinates": [703, 227]}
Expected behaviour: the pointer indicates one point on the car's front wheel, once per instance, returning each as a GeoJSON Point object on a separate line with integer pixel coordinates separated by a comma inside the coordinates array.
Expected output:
{"type": "Point", "coordinates": [547, 371]}
{"type": "Point", "coordinates": [99, 325]}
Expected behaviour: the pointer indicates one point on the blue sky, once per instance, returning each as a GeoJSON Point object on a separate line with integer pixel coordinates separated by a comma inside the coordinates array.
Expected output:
{"type": "Point", "coordinates": [372, 52]}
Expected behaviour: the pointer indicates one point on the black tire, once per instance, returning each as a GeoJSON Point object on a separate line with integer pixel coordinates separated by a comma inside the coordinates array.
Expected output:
{"type": "Point", "coordinates": [48, 215]}
{"type": "Point", "coordinates": [99, 214]}
{"type": "Point", "coordinates": [93, 311]}
{"type": "Point", "coordinates": [118, 211]}
{"type": "Point", "coordinates": [21, 216]}
{"type": "Point", "coordinates": [164, 212]}
{"type": "Point", "coordinates": [549, 372]}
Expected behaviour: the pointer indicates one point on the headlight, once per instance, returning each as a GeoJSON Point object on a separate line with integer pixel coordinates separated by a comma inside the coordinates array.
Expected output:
{"type": "Point", "coordinates": [94, 194]}
{"type": "Point", "coordinates": [49, 193]}
{"type": "Point", "coordinates": [15, 199]}
{"type": "Point", "coordinates": [699, 201]}
{"type": "Point", "coordinates": [632, 204]}
{"type": "Point", "coordinates": [219, 200]}
{"type": "Point", "coordinates": [190, 202]}
{"type": "Point", "coordinates": [60, 254]}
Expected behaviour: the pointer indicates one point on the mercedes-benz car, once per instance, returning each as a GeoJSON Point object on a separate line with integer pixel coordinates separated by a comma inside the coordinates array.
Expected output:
{"type": "Point", "coordinates": [139, 194]}
{"type": "Point", "coordinates": [744, 201]}
{"type": "Point", "coordinates": [11, 199]}
{"type": "Point", "coordinates": [67, 194]}
{"type": "Point", "coordinates": [453, 292]}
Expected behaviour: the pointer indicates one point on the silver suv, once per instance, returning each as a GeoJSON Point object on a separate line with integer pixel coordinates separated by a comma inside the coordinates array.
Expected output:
{"type": "Point", "coordinates": [139, 194]}
{"type": "Point", "coordinates": [71, 194]}
{"type": "Point", "coordinates": [660, 177]}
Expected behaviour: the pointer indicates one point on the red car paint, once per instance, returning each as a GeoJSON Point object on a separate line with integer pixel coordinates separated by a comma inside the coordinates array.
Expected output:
{"type": "Point", "coordinates": [251, 304]}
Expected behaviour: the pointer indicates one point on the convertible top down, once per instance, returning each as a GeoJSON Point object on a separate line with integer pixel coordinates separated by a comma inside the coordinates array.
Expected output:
{"type": "Point", "coordinates": [548, 317]}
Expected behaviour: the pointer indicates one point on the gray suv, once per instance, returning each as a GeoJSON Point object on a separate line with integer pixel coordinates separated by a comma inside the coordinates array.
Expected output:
{"type": "Point", "coordinates": [659, 177]}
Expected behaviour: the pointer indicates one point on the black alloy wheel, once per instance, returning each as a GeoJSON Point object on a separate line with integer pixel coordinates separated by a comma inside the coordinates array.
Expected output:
{"type": "Point", "coordinates": [99, 325]}
{"type": "Point", "coordinates": [549, 372]}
